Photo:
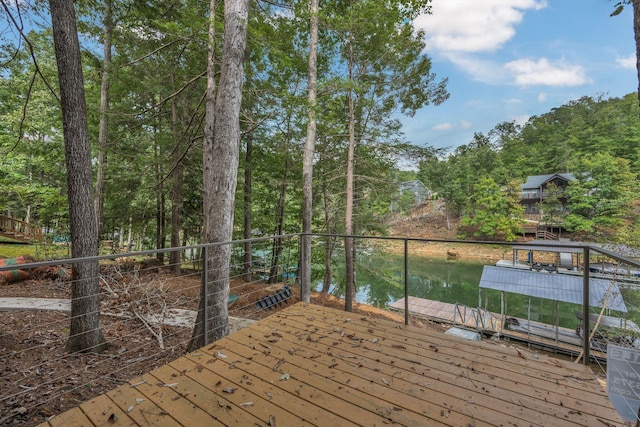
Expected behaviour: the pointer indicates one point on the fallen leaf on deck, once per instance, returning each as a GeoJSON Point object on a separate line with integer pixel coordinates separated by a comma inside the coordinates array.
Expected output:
{"type": "Point", "coordinates": [278, 364]}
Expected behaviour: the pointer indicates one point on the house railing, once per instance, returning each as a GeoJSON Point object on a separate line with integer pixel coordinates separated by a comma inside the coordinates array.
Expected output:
{"type": "Point", "coordinates": [20, 230]}
{"type": "Point", "coordinates": [535, 194]}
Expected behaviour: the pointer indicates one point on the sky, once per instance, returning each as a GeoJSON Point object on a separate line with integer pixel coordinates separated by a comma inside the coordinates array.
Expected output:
{"type": "Point", "coordinates": [508, 60]}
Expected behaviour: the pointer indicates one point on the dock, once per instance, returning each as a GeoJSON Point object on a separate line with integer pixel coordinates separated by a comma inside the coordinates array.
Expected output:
{"type": "Point", "coordinates": [455, 314]}
{"type": "Point", "coordinates": [535, 334]}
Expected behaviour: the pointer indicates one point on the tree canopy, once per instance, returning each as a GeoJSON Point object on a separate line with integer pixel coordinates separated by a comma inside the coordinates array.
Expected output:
{"type": "Point", "coordinates": [367, 51]}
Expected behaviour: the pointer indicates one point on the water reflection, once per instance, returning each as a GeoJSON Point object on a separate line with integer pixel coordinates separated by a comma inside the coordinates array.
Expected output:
{"type": "Point", "coordinates": [380, 282]}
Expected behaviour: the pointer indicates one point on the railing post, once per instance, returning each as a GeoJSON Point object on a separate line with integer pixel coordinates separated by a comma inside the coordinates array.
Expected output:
{"type": "Point", "coordinates": [586, 302]}
{"type": "Point", "coordinates": [205, 293]}
{"type": "Point", "coordinates": [406, 281]}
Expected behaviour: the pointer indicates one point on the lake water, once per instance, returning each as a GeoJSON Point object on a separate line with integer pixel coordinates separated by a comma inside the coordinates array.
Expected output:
{"type": "Point", "coordinates": [380, 282]}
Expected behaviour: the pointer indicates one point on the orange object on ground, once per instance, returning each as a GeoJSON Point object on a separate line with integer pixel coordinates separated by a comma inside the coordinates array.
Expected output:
{"type": "Point", "coordinates": [13, 275]}
{"type": "Point", "coordinates": [13, 261]}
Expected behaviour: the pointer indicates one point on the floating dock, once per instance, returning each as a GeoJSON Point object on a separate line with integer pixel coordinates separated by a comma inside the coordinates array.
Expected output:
{"type": "Point", "coordinates": [455, 314]}
{"type": "Point", "coordinates": [535, 334]}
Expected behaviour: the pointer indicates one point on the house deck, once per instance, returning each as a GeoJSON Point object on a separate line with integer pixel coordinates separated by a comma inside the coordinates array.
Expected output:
{"type": "Point", "coordinates": [311, 365]}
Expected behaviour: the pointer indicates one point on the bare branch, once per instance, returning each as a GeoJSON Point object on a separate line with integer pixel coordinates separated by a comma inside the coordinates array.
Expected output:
{"type": "Point", "coordinates": [176, 93]}
{"type": "Point", "coordinates": [143, 57]}
{"type": "Point", "coordinates": [20, 28]}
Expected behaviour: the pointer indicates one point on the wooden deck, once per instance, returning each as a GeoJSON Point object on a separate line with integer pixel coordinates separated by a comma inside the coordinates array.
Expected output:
{"type": "Point", "coordinates": [310, 365]}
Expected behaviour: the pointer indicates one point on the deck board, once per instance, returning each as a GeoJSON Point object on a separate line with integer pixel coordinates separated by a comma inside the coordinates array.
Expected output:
{"type": "Point", "coordinates": [463, 374]}
{"type": "Point", "coordinates": [104, 411]}
{"type": "Point", "coordinates": [73, 417]}
{"type": "Point", "coordinates": [311, 365]}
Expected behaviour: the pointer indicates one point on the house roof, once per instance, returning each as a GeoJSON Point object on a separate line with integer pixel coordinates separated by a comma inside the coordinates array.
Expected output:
{"type": "Point", "coordinates": [415, 185]}
{"type": "Point", "coordinates": [536, 181]}
{"type": "Point", "coordinates": [556, 287]}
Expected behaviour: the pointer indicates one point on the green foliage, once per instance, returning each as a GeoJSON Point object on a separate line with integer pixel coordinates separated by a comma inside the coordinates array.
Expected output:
{"type": "Point", "coordinates": [156, 117]}
{"type": "Point", "coordinates": [552, 208]}
{"type": "Point", "coordinates": [494, 212]}
{"type": "Point", "coordinates": [600, 198]}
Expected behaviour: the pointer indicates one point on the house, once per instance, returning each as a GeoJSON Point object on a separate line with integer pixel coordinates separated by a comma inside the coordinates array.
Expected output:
{"type": "Point", "coordinates": [417, 189]}
{"type": "Point", "coordinates": [535, 190]}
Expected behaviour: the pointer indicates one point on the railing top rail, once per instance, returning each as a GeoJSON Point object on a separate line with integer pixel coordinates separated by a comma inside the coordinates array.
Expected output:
{"type": "Point", "coordinates": [141, 253]}
{"type": "Point", "coordinates": [568, 245]}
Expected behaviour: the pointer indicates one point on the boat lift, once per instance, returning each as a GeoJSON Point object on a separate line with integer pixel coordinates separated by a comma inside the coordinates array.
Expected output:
{"type": "Point", "coordinates": [554, 287]}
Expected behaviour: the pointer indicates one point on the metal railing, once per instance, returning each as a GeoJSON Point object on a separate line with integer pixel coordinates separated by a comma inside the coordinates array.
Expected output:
{"type": "Point", "coordinates": [478, 318]}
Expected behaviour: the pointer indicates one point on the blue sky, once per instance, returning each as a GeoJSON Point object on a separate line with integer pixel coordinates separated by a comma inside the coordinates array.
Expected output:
{"type": "Point", "coordinates": [509, 60]}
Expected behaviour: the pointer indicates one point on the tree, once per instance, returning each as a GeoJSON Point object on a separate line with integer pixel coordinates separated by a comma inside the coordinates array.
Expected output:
{"type": "Point", "coordinates": [494, 212]}
{"type": "Point", "coordinates": [386, 71]}
{"type": "Point", "coordinates": [309, 149]}
{"type": "Point", "coordinates": [600, 197]}
{"type": "Point", "coordinates": [220, 165]}
{"type": "Point", "coordinates": [104, 118]}
{"type": "Point", "coordinates": [552, 208]}
{"type": "Point", "coordinates": [442, 177]}
{"type": "Point", "coordinates": [85, 332]}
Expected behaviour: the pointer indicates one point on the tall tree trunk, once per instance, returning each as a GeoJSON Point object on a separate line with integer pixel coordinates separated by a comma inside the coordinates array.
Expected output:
{"type": "Point", "coordinates": [248, 170]}
{"type": "Point", "coordinates": [248, 251]}
{"type": "Point", "coordinates": [130, 235]}
{"type": "Point", "coordinates": [636, 33]}
{"type": "Point", "coordinates": [160, 201]}
{"type": "Point", "coordinates": [176, 192]}
{"type": "Point", "coordinates": [221, 168]}
{"type": "Point", "coordinates": [277, 242]}
{"type": "Point", "coordinates": [104, 117]}
{"type": "Point", "coordinates": [307, 162]}
{"type": "Point", "coordinates": [329, 243]}
{"type": "Point", "coordinates": [121, 238]}
{"type": "Point", "coordinates": [85, 331]}
{"type": "Point", "coordinates": [350, 286]}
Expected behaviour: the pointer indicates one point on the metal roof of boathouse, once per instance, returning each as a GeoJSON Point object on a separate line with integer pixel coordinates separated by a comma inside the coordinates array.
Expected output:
{"type": "Point", "coordinates": [552, 286]}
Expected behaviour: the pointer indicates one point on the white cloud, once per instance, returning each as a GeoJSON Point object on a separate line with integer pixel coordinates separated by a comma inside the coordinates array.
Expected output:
{"type": "Point", "coordinates": [465, 124]}
{"type": "Point", "coordinates": [513, 101]}
{"type": "Point", "coordinates": [478, 69]}
{"type": "Point", "coordinates": [521, 120]}
{"type": "Point", "coordinates": [627, 61]}
{"type": "Point", "coordinates": [542, 72]}
{"type": "Point", "coordinates": [542, 97]}
{"type": "Point", "coordinates": [473, 25]}
{"type": "Point", "coordinates": [443, 126]}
